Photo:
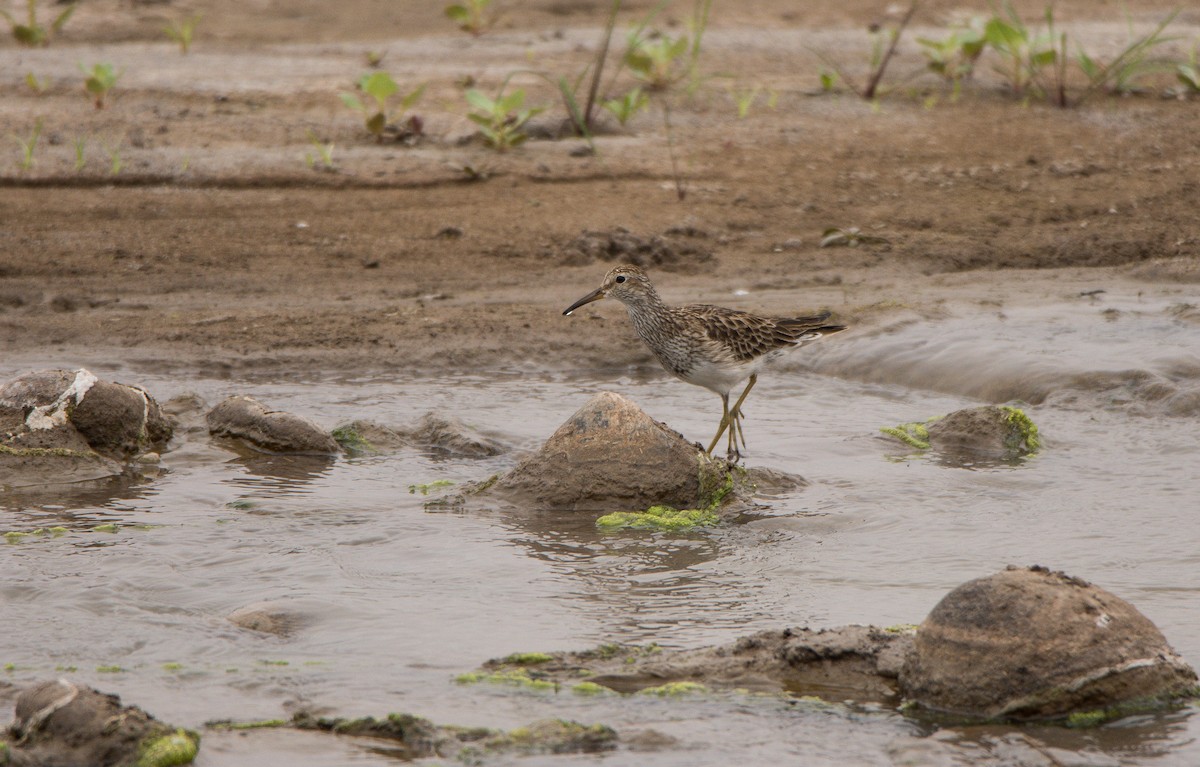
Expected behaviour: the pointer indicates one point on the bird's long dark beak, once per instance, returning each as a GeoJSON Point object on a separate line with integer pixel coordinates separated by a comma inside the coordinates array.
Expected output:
{"type": "Point", "coordinates": [595, 295]}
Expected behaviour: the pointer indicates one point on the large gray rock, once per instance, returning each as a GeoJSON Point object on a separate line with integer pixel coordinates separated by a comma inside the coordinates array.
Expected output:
{"type": "Point", "coordinates": [274, 431]}
{"type": "Point", "coordinates": [610, 455]}
{"type": "Point", "coordinates": [1028, 643]}
{"type": "Point", "coordinates": [59, 723]}
{"type": "Point", "coordinates": [62, 426]}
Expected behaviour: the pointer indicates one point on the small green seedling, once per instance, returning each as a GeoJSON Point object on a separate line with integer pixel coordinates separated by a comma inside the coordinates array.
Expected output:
{"type": "Point", "coordinates": [381, 87]}
{"type": "Point", "coordinates": [500, 119]}
{"type": "Point", "coordinates": [324, 153]}
{"type": "Point", "coordinates": [1121, 74]}
{"type": "Point", "coordinates": [181, 32]}
{"type": "Point", "coordinates": [744, 99]}
{"type": "Point", "coordinates": [851, 237]}
{"type": "Point", "coordinates": [471, 16]}
{"type": "Point", "coordinates": [114, 169]}
{"type": "Point", "coordinates": [828, 79]}
{"type": "Point", "coordinates": [32, 33]}
{"type": "Point", "coordinates": [99, 80]}
{"type": "Point", "coordinates": [954, 56]}
{"type": "Point", "coordinates": [374, 59]}
{"type": "Point", "coordinates": [659, 62]}
{"type": "Point", "coordinates": [35, 83]}
{"type": "Point", "coordinates": [29, 145]}
{"type": "Point", "coordinates": [625, 107]}
{"type": "Point", "coordinates": [80, 145]}
{"type": "Point", "coordinates": [1025, 53]}
{"type": "Point", "coordinates": [1189, 73]}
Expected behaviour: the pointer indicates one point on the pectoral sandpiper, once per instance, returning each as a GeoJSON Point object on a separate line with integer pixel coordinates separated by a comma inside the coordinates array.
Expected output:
{"type": "Point", "coordinates": [705, 345]}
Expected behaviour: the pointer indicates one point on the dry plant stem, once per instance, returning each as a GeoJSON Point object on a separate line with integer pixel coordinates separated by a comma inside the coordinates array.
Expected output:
{"type": "Point", "coordinates": [873, 84]}
{"type": "Point", "coordinates": [601, 56]}
{"type": "Point", "coordinates": [680, 185]}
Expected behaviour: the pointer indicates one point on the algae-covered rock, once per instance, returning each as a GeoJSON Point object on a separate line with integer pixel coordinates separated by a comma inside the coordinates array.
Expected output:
{"type": "Point", "coordinates": [275, 431]}
{"type": "Point", "coordinates": [1028, 643]}
{"type": "Point", "coordinates": [608, 455]}
{"type": "Point", "coordinates": [59, 723]}
{"type": "Point", "coordinates": [968, 436]}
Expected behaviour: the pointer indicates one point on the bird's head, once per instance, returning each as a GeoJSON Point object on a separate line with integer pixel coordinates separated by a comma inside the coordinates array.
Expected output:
{"type": "Point", "coordinates": [627, 283]}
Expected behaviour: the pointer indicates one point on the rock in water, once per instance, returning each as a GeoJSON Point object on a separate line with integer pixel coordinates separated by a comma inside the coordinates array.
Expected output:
{"type": "Point", "coordinates": [1028, 643]}
{"type": "Point", "coordinates": [59, 723]}
{"type": "Point", "coordinates": [62, 426]}
{"type": "Point", "coordinates": [275, 431]}
{"type": "Point", "coordinates": [610, 455]}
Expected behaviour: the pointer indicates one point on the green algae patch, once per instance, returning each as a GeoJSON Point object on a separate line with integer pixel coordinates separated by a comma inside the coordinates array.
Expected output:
{"type": "Point", "coordinates": [590, 688]}
{"type": "Point", "coordinates": [527, 658]}
{"type": "Point", "coordinates": [108, 527]}
{"type": "Point", "coordinates": [46, 452]}
{"type": "Point", "coordinates": [674, 689]}
{"type": "Point", "coordinates": [1023, 432]}
{"type": "Point", "coordinates": [172, 666]}
{"type": "Point", "coordinates": [659, 518]}
{"type": "Point", "coordinates": [557, 736]}
{"type": "Point", "coordinates": [512, 678]}
{"type": "Point", "coordinates": [351, 440]}
{"type": "Point", "coordinates": [427, 487]}
{"type": "Point", "coordinates": [902, 628]}
{"type": "Point", "coordinates": [179, 747]}
{"type": "Point", "coordinates": [915, 434]}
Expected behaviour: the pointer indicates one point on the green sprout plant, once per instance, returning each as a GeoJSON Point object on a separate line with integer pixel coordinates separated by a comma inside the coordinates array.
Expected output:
{"type": "Point", "coordinates": [115, 165]}
{"type": "Point", "coordinates": [472, 16]}
{"type": "Point", "coordinates": [659, 63]}
{"type": "Point", "coordinates": [954, 57]}
{"type": "Point", "coordinates": [181, 32]}
{"type": "Point", "coordinates": [29, 145]}
{"type": "Point", "coordinates": [381, 87]}
{"type": "Point", "coordinates": [884, 40]}
{"type": "Point", "coordinates": [322, 151]}
{"type": "Point", "coordinates": [1188, 73]}
{"type": "Point", "coordinates": [80, 145]}
{"type": "Point", "coordinates": [32, 32]}
{"type": "Point", "coordinates": [99, 80]}
{"type": "Point", "coordinates": [1024, 53]}
{"type": "Point", "coordinates": [745, 98]}
{"type": "Point", "coordinates": [1122, 74]}
{"type": "Point", "coordinates": [625, 107]}
{"type": "Point", "coordinates": [501, 119]}
{"type": "Point", "coordinates": [36, 84]}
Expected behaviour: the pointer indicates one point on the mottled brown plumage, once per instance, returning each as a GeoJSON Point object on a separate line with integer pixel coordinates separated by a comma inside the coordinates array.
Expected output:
{"type": "Point", "coordinates": [706, 345]}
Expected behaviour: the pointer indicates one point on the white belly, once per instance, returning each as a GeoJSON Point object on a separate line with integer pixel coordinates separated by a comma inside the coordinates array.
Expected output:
{"type": "Point", "coordinates": [722, 378]}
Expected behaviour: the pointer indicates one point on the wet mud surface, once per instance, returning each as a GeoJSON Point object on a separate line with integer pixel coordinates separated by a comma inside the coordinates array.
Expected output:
{"type": "Point", "coordinates": [1028, 253]}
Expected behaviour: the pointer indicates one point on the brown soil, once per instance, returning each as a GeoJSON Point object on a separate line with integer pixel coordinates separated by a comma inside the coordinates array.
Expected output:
{"type": "Point", "coordinates": [216, 247]}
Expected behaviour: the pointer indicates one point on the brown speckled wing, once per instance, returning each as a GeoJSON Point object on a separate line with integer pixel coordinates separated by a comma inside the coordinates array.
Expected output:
{"type": "Point", "coordinates": [748, 336]}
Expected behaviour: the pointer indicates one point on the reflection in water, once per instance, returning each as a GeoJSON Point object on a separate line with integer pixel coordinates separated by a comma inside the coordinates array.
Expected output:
{"type": "Point", "coordinates": [645, 586]}
{"type": "Point", "coordinates": [78, 495]}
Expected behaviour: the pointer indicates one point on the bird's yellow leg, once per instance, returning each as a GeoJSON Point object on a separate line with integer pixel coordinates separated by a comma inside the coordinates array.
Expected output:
{"type": "Point", "coordinates": [724, 422]}
{"type": "Point", "coordinates": [735, 413]}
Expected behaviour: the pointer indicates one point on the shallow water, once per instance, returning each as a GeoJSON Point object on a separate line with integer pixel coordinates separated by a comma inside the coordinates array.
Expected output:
{"type": "Point", "coordinates": [397, 600]}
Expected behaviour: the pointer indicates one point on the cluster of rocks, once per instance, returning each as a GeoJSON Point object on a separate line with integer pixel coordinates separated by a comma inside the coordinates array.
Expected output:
{"type": "Point", "coordinates": [67, 426]}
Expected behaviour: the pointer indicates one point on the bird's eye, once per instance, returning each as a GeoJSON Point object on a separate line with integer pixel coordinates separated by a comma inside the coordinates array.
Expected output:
{"type": "Point", "coordinates": [620, 278]}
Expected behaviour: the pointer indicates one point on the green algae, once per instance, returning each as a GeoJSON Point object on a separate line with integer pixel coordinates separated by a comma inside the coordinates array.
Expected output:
{"type": "Point", "coordinates": [902, 628]}
{"type": "Point", "coordinates": [425, 488]}
{"type": "Point", "coordinates": [674, 689]}
{"type": "Point", "coordinates": [513, 678]}
{"type": "Point", "coordinates": [715, 488]}
{"type": "Point", "coordinates": [590, 688]}
{"type": "Point", "coordinates": [113, 669]}
{"type": "Point", "coordinates": [527, 658]}
{"type": "Point", "coordinates": [108, 527]}
{"type": "Point", "coordinates": [351, 440]}
{"type": "Point", "coordinates": [915, 434]}
{"type": "Point", "coordinates": [665, 518]}
{"type": "Point", "coordinates": [177, 748]}
{"type": "Point", "coordinates": [1024, 434]}
{"type": "Point", "coordinates": [172, 666]}
{"type": "Point", "coordinates": [45, 452]}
